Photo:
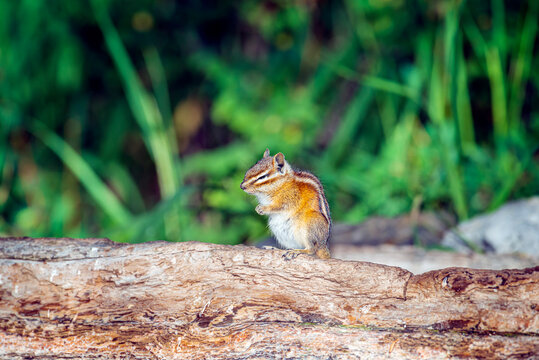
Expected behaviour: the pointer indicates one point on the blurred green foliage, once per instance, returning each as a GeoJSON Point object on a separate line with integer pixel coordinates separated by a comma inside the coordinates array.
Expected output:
{"type": "Point", "coordinates": [137, 119]}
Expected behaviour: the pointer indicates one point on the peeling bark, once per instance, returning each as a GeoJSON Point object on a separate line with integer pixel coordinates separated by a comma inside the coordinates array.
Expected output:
{"type": "Point", "coordinates": [97, 299]}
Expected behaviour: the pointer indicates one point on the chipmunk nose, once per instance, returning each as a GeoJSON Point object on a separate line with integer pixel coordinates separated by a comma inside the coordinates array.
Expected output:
{"type": "Point", "coordinates": [242, 186]}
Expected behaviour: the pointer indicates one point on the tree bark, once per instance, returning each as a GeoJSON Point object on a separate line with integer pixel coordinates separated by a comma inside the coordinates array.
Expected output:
{"type": "Point", "coordinates": [95, 299]}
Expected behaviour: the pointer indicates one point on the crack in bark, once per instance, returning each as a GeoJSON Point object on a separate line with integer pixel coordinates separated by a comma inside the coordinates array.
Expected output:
{"type": "Point", "coordinates": [405, 288]}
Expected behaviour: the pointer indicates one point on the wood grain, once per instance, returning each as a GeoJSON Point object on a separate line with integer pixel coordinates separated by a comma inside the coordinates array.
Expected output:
{"type": "Point", "coordinates": [92, 298]}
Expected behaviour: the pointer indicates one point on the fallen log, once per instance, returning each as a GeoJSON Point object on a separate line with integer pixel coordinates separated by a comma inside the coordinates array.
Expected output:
{"type": "Point", "coordinates": [92, 298]}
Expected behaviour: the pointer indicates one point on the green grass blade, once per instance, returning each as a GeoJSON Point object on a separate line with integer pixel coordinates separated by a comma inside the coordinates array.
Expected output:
{"type": "Point", "coordinates": [143, 106]}
{"type": "Point", "coordinates": [378, 83]}
{"type": "Point", "coordinates": [149, 225]}
{"type": "Point", "coordinates": [363, 30]}
{"type": "Point", "coordinates": [101, 194]}
{"type": "Point", "coordinates": [454, 173]}
{"type": "Point", "coordinates": [159, 84]}
{"type": "Point", "coordinates": [498, 96]}
{"type": "Point", "coordinates": [388, 114]}
{"type": "Point", "coordinates": [464, 106]}
{"type": "Point", "coordinates": [436, 88]}
{"type": "Point", "coordinates": [508, 184]}
{"type": "Point", "coordinates": [451, 65]}
{"type": "Point", "coordinates": [476, 39]}
{"type": "Point", "coordinates": [146, 112]}
{"type": "Point", "coordinates": [456, 76]}
{"type": "Point", "coordinates": [355, 114]}
{"type": "Point", "coordinates": [496, 77]}
{"type": "Point", "coordinates": [125, 185]}
{"type": "Point", "coordinates": [499, 33]}
{"type": "Point", "coordinates": [522, 64]}
{"type": "Point", "coordinates": [324, 76]}
{"type": "Point", "coordinates": [446, 130]}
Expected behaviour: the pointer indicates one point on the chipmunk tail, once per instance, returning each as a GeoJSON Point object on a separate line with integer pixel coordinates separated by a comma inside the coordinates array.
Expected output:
{"type": "Point", "coordinates": [323, 253]}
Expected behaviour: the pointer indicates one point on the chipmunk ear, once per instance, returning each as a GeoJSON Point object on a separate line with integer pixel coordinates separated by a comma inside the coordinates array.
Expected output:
{"type": "Point", "coordinates": [278, 160]}
{"type": "Point", "coordinates": [266, 153]}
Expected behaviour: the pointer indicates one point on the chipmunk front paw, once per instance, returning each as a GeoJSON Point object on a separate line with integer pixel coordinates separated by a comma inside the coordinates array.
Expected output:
{"type": "Point", "coordinates": [259, 210]}
{"type": "Point", "coordinates": [292, 254]}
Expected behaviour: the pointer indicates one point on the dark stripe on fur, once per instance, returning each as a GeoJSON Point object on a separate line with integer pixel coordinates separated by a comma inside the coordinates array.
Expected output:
{"type": "Point", "coordinates": [323, 205]}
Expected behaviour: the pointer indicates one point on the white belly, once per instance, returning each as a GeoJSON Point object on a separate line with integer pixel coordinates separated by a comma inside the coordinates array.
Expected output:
{"type": "Point", "coordinates": [281, 226]}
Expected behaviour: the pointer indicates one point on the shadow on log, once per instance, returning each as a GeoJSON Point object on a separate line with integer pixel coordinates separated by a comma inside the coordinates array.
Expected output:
{"type": "Point", "coordinates": [96, 299]}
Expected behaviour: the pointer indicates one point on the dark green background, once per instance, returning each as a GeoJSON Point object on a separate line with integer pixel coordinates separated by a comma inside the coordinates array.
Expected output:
{"type": "Point", "coordinates": [137, 119]}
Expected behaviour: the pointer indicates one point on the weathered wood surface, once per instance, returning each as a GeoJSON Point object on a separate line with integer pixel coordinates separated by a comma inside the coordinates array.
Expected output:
{"type": "Point", "coordinates": [96, 299]}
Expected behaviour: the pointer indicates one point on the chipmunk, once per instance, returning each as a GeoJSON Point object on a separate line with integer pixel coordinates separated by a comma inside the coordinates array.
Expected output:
{"type": "Point", "coordinates": [295, 203]}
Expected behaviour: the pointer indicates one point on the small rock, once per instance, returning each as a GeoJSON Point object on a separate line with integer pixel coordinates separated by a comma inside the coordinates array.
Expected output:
{"type": "Point", "coordinates": [513, 228]}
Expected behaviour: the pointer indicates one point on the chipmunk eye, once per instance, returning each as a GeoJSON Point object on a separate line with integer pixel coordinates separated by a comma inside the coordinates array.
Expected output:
{"type": "Point", "coordinates": [262, 177]}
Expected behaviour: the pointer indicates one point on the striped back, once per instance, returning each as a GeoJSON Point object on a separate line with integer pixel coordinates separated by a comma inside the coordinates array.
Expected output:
{"type": "Point", "coordinates": [323, 206]}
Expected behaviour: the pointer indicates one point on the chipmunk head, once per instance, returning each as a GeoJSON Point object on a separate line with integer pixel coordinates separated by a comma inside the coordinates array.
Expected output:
{"type": "Point", "coordinates": [266, 174]}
